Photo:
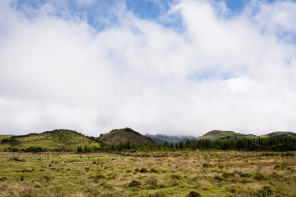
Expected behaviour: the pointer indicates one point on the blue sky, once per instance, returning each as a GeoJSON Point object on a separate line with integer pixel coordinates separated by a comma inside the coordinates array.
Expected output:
{"type": "Point", "coordinates": [169, 67]}
{"type": "Point", "coordinates": [145, 9]}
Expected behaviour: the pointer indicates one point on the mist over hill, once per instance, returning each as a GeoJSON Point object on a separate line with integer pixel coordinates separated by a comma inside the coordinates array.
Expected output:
{"type": "Point", "coordinates": [69, 140]}
{"type": "Point", "coordinates": [161, 139]}
{"type": "Point", "coordinates": [231, 135]}
{"type": "Point", "coordinates": [126, 135]}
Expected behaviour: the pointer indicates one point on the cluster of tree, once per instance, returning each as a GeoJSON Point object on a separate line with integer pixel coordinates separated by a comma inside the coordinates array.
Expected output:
{"type": "Point", "coordinates": [11, 141]}
{"type": "Point", "coordinates": [87, 149]}
{"type": "Point", "coordinates": [244, 144]}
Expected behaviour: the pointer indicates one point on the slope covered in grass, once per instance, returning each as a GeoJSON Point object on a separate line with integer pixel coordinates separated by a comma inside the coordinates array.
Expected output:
{"type": "Point", "coordinates": [124, 136]}
{"type": "Point", "coordinates": [223, 135]}
{"type": "Point", "coordinates": [56, 140]}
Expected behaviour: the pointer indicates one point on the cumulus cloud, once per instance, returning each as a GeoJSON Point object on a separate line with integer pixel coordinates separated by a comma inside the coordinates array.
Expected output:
{"type": "Point", "coordinates": [220, 72]}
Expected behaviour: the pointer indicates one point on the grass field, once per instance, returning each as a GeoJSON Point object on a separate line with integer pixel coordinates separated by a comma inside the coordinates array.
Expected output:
{"type": "Point", "coordinates": [204, 173]}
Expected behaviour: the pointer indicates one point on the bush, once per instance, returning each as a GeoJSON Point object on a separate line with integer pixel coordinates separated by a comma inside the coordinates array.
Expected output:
{"type": "Point", "coordinates": [143, 170]}
{"type": "Point", "coordinates": [278, 167]}
{"type": "Point", "coordinates": [176, 177]}
{"type": "Point", "coordinates": [227, 175]}
{"type": "Point", "coordinates": [245, 175]}
{"type": "Point", "coordinates": [205, 165]}
{"type": "Point", "coordinates": [153, 170]}
{"type": "Point", "coordinates": [151, 181]}
{"type": "Point", "coordinates": [135, 184]}
{"type": "Point", "coordinates": [257, 176]}
{"type": "Point", "coordinates": [100, 176]}
{"type": "Point", "coordinates": [265, 191]}
{"type": "Point", "coordinates": [34, 149]}
{"type": "Point", "coordinates": [3, 179]}
{"type": "Point", "coordinates": [46, 178]}
{"type": "Point", "coordinates": [11, 141]}
{"type": "Point", "coordinates": [193, 194]}
{"type": "Point", "coordinates": [219, 178]}
{"type": "Point", "coordinates": [231, 190]}
{"type": "Point", "coordinates": [27, 195]}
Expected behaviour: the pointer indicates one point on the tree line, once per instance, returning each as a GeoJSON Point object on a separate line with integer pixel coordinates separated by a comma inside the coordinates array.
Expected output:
{"type": "Point", "coordinates": [243, 144]}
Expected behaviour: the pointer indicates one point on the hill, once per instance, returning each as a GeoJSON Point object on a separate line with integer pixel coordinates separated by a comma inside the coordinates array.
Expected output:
{"type": "Point", "coordinates": [223, 135]}
{"type": "Point", "coordinates": [160, 139]}
{"type": "Point", "coordinates": [124, 136]}
{"type": "Point", "coordinates": [56, 140]}
{"type": "Point", "coordinates": [280, 134]}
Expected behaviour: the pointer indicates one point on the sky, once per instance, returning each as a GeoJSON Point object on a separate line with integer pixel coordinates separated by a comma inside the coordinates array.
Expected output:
{"type": "Point", "coordinates": [179, 67]}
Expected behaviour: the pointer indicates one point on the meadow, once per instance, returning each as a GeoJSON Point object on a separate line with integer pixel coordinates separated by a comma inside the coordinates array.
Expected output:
{"type": "Point", "coordinates": [151, 174]}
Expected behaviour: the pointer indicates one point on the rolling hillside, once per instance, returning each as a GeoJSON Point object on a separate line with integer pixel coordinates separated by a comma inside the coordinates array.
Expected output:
{"type": "Point", "coordinates": [223, 135]}
{"type": "Point", "coordinates": [282, 134]}
{"type": "Point", "coordinates": [56, 140]}
{"type": "Point", "coordinates": [124, 136]}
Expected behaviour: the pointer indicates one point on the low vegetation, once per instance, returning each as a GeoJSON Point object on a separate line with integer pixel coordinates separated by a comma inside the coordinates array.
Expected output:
{"type": "Point", "coordinates": [180, 173]}
{"type": "Point", "coordinates": [67, 163]}
{"type": "Point", "coordinates": [59, 140]}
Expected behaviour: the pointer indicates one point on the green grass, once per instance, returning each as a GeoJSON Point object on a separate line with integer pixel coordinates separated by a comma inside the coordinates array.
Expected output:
{"type": "Point", "coordinates": [51, 141]}
{"type": "Point", "coordinates": [223, 135]}
{"type": "Point", "coordinates": [124, 136]}
{"type": "Point", "coordinates": [176, 174]}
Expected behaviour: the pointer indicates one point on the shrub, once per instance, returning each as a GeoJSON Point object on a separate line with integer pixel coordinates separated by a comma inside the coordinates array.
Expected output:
{"type": "Point", "coordinates": [135, 183]}
{"type": "Point", "coordinates": [265, 191]}
{"type": "Point", "coordinates": [151, 181]}
{"type": "Point", "coordinates": [11, 141]}
{"type": "Point", "coordinates": [34, 149]}
{"type": "Point", "coordinates": [258, 176]}
{"type": "Point", "coordinates": [100, 176]}
{"type": "Point", "coordinates": [219, 178]}
{"type": "Point", "coordinates": [46, 178]}
{"type": "Point", "coordinates": [176, 177]}
{"type": "Point", "coordinates": [193, 194]}
{"type": "Point", "coordinates": [27, 195]}
{"type": "Point", "coordinates": [143, 170]}
{"type": "Point", "coordinates": [158, 194]}
{"type": "Point", "coordinates": [228, 175]}
{"type": "Point", "coordinates": [245, 175]}
{"type": "Point", "coordinates": [153, 170]}
{"type": "Point", "coordinates": [16, 158]}
{"type": "Point", "coordinates": [3, 179]}
{"type": "Point", "coordinates": [231, 190]}
{"type": "Point", "coordinates": [205, 165]}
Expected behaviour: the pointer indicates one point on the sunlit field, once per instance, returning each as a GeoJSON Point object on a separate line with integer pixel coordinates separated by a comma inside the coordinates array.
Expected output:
{"type": "Point", "coordinates": [195, 173]}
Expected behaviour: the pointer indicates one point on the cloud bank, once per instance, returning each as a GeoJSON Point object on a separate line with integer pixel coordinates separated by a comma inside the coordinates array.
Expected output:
{"type": "Point", "coordinates": [220, 71]}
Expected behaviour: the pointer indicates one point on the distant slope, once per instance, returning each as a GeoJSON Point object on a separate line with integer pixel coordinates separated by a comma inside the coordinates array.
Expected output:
{"type": "Point", "coordinates": [160, 139]}
{"type": "Point", "coordinates": [56, 140]}
{"type": "Point", "coordinates": [281, 134]}
{"type": "Point", "coordinates": [223, 135]}
{"type": "Point", "coordinates": [124, 136]}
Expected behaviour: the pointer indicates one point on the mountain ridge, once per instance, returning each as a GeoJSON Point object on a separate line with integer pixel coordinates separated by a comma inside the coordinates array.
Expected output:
{"type": "Point", "coordinates": [125, 135]}
{"type": "Point", "coordinates": [230, 135]}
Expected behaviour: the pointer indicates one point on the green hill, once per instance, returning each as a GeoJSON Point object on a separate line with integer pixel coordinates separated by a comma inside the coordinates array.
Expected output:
{"type": "Point", "coordinates": [124, 136]}
{"type": "Point", "coordinates": [161, 139]}
{"type": "Point", "coordinates": [56, 140]}
{"type": "Point", "coordinates": [281, 134]}
{"type": "Point", "coordinates": [223, 135]}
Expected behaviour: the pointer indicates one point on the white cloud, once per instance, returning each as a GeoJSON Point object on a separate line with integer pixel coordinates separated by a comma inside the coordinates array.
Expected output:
{"type": "Point", "coordinates": [61, 73]}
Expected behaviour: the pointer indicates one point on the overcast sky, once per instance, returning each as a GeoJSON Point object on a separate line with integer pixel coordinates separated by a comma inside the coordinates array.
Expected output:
{"type": "Point", "coordinates": [179, 67]}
